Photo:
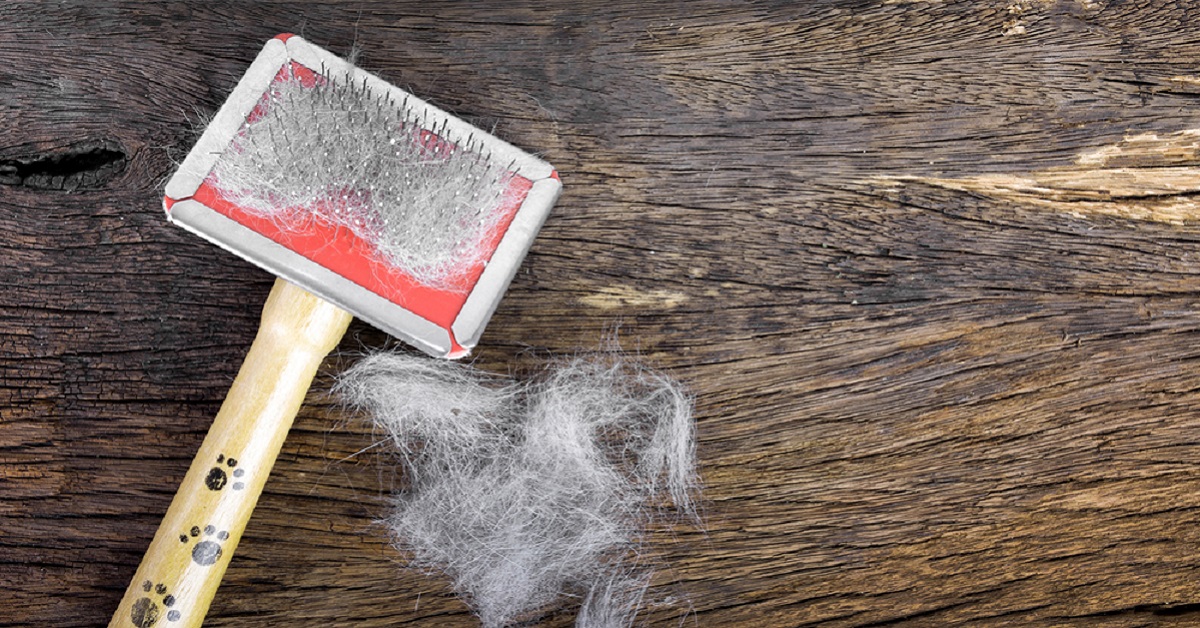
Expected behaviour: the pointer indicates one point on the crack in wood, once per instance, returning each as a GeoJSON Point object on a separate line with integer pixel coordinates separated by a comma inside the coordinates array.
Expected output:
{"type": "Point", "coordinates": [89, 165]}
{"type": "Point", "coordinates": [1156, 610]}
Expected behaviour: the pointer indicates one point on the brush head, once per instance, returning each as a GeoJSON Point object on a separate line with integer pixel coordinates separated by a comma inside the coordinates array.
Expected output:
{"type": "Point", "coordinates": [365, 195]}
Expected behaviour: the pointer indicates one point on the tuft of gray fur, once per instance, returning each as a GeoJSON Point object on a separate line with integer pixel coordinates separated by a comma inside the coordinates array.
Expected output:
{"type": "Point", "coordinates": [357, 159]}
{"type": "Point", "coordinates": [523, 492]}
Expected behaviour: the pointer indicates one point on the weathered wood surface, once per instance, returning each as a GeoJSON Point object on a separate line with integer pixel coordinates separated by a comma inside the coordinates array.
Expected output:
{"type": "Point", "coordinates": [931, 269]}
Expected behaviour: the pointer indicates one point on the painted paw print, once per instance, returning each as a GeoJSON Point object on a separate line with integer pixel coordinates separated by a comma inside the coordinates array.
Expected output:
{"type": "Point", "coordinates": [206, 551]}
{"type": "Point", "coordinates": [146, 610]}
{"type": "Point", "coordinates": [217, 476]}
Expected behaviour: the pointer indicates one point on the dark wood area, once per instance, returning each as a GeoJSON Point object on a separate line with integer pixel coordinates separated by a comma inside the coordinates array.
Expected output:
{"type": "Point", "coordinates": [932, 270]}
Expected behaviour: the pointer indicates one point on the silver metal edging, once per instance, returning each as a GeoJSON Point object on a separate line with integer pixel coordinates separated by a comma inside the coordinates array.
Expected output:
{"type": "Point", "coordinates": [505, 261]}
{"type": "Point", "coordinates": [229, 119]}
{"type": "Point", "coordinates": [264, 253]}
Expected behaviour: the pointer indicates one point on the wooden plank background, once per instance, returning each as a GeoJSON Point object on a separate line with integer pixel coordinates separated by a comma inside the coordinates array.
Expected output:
{"type": "Point", "coordinates": [930, 268]}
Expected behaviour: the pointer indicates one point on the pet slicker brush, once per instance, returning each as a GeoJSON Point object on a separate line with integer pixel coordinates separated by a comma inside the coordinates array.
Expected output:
{"type": "Point", "coordinates": [364, 200]}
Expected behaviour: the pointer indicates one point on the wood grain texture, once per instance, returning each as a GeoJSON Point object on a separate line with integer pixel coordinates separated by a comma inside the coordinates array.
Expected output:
{"type": "Point", "coordinates": [930, 268]}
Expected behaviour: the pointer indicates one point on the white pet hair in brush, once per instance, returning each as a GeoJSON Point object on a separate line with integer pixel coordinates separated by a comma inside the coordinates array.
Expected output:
{"type": "Point", "coordinates": [370, 164]}
{"type": "Point", "coordinates": [523, 492]}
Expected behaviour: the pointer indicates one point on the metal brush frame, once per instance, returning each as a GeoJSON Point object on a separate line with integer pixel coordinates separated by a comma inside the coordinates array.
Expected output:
{"type": "Point", "coordinates": [211, 225]}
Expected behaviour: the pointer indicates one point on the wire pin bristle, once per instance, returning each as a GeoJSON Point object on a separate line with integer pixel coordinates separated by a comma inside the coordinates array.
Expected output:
{"type": "Point", "coordinates": [338, 151]}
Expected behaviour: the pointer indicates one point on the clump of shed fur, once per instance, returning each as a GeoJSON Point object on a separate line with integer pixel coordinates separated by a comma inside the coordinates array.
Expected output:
{"type": "Point", "coordinates": [524, 492]}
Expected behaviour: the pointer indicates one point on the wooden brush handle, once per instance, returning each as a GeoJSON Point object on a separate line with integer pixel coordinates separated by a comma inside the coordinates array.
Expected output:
{"type": "Point", "coordinates": [183, 567]}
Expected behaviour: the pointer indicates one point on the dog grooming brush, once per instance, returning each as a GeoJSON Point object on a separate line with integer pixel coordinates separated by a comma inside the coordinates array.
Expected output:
{"type": "Point", "coordinates": [363, 200]}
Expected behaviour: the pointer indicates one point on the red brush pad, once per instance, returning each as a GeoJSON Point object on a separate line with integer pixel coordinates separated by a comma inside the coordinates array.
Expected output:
{"type": "Point", "coordinates": [343, 252]}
